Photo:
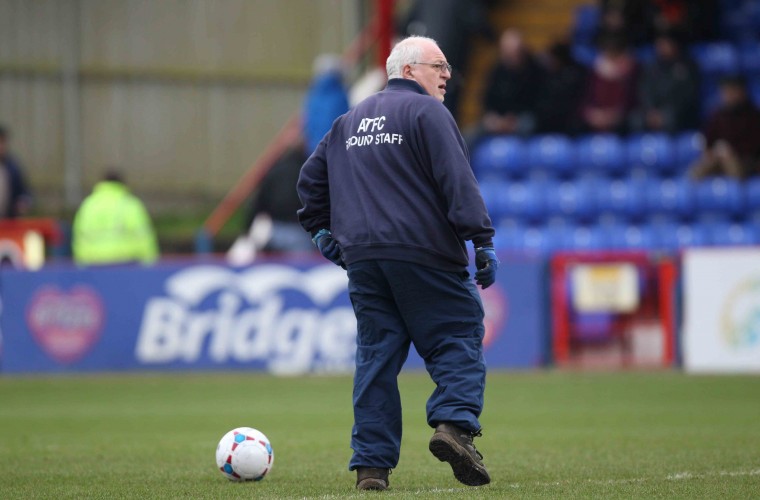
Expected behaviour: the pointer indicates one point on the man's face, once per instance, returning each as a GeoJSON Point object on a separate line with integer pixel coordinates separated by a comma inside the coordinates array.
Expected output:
{"type": "Point", "coordinates": [732, 95]}
{"type": "Point", "coordinates": [430, 78]}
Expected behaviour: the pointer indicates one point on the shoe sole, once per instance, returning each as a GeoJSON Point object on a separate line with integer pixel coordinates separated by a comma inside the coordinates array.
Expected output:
{"type": "Point", "coordinates": [466, 470]}
{"type": "Point", "coordinates": [371, 483]}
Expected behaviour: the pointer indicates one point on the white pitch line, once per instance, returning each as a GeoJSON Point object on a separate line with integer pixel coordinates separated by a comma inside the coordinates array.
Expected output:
{"type": "Point", "coordinates": [677, 476]}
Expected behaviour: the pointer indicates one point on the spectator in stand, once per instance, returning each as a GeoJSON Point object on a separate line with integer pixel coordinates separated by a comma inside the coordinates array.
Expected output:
{"type": "Point", "coordinates": [628, 19]}
{"type": "Point", "coordinates": [732, 135]}
{"type": "Point", "coordinates": [451, 23]}
{"type": "Point", "coordinates": [326, 99]}
{"type": "Point", "coordinates": [274, 208]}
{"type": "Point", "coordinates": [562, 85]}
{"type": "Point", "coordinates": [511, 90]}
{"type": "Point", "coordinates": [14, 194]}
{"type": "Point", "coordinates": [697, 20]}
{"type": "Point", "coordinates": [611, 88]}
{"type": "Point", "coordinates": [669, 98]}
{"type": "Point", "coordinates": [112, 226]}
{"type": "Point", "coordinates": [271, 223]}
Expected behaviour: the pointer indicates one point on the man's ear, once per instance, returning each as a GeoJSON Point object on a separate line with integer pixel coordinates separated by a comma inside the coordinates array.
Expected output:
{"type": "Point", "coordinates": [406, 72]}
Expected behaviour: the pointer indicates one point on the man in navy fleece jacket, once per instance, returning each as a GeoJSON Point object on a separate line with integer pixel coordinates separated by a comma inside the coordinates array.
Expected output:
{"type": "Point", "coordinates": [389, 195]}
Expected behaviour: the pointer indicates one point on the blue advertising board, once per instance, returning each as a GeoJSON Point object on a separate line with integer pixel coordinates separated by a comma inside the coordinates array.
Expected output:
{"type": "Point", "coordinates": [282, 317]}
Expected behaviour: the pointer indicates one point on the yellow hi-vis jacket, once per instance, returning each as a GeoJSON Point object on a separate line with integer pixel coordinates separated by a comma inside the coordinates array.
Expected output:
{"type": "Point", "coordinates": [112, 226]}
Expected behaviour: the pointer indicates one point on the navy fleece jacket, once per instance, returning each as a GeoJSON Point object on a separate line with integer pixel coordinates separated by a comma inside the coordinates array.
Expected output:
{"type": "Point", "coordinates": [392, 180]}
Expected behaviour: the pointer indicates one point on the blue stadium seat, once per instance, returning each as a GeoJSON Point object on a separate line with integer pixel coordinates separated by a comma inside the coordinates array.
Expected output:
{"type": "Point", "coordinates": [553, 153]}
{"type": "Point", "coordinates": [645, 54]}
{"type": "Point", "coordinates": [689, 147]}
{"type": "Point", "coordinates": [585, 23]}
{"type": "Point", "coordinates": [749, 57]}
{"type": "Point", "coordinates": [604, 153]}
{"type": "Point", "coordinates": [731, 234]}
{"type": "Point", "coordinates": [754, 90]}
{"type": "Point", "coordinates": [571, 200]}
{"type": "Point", "coordinates": [583, 238]}
{"type": "Point", "coordinates": [502, 155]}
{"type": "Point", "coordinates": [621, 198]}
{"type": "Point", "coordinates": [535, 239]}
{"type": "Point", "coordinates": [523, 200]}
{"type": "Point", "coordinates": [673, 197]}
{"type": "Point", "coordinates": [752, 194]}
{"type": "Point", "coordinates": [507, 237]}
{"type": "Point", "coordinates": [654, 152]}
{"type": "Point", "coordinates": [720, 195]}
{"type": "Point", "coordinates": [716, 58]}
{"type": "Point", "coordinates": [630, 237]}
{"type": "Point", "coordinates": [584, 54]}
{"type": "Point", "coordinates": [740, 20]}
{"type": "Point", "coordinates": [493, 196]}
{"type": "Point", "coordinates": [678, 236]}
{"type": "Point", "coordinates": [710, 97]}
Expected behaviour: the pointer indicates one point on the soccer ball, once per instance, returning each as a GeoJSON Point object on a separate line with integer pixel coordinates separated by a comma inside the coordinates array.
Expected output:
{"type": "Point", "coordinates": [244, 454]}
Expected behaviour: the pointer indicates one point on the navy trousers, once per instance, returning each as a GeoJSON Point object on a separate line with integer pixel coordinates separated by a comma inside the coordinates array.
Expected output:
{"type": "Point", "coordinates": [396, 304]}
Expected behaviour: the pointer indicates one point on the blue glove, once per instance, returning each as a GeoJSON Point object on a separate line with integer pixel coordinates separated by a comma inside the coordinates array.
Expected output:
{"type": "Point", "coordinates": [328, 246]}
{"type": "Point", "coordinates": [487, 264]}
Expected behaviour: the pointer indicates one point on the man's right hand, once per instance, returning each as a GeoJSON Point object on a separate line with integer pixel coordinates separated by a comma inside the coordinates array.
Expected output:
{"type": "Point", "coordinates": [328, 246]}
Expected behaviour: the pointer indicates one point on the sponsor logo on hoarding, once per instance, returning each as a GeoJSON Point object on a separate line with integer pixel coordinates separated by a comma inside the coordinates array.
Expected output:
{"type": "Point", "coordinates": [66, 325]}
{"type": "Point", "coordinates": [216, 313]}
{"type": "Point", "coordinates": [740, 318]}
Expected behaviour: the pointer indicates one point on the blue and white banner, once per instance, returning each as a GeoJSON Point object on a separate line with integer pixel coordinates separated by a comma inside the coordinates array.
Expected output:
{"type": "Point", "coordinates": [285, 318]}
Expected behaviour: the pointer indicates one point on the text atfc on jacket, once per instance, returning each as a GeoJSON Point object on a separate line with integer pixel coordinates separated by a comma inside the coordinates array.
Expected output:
{"type": "Point", "coordinates": [392, 180]}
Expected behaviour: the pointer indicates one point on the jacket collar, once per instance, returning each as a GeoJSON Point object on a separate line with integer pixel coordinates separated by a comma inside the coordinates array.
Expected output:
{"type": "Point", "coordinates": [404, 84]}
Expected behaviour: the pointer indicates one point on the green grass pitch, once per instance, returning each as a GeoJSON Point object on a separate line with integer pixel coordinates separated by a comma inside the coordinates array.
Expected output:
{"type": "Point", "coordinates": [546, 435]}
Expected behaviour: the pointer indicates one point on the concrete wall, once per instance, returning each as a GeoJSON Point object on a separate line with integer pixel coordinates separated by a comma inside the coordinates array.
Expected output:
{"type": "Point", "coordinates": [183, 94]}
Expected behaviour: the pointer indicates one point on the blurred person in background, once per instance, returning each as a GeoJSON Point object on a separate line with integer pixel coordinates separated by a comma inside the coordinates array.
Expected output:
{"type": "Point", "coordinates": [271, 224]}
{"type": "Point", "coordinates": [697, 20]}
{"type": "Point", "coordinates": [630, 20]}
{"type": "Point", "coordinates": [326, 99]}
{"type": "Point", "coordinates": [389, 195]}
{"type": "Point", "coordinates": [668, 90]}
{"type": "Point", "coordinates": [15, 198]}
{"type": "Point", "coordinates": [451, 23]}
{"type": "Point", "coordinates": [610, 88]}
{"type": "Point", "coordinates": [561, 88]}
{"type": "Point", "coordinates": [112, 226]}
{"type": "Point", "coordinates": [511, 91]}
{"type": "Point", "coordinates": [732, 135]}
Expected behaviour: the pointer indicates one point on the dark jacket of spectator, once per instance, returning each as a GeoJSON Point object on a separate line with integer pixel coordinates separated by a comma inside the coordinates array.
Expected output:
{"type": "Point", "coordinates": [562, 86]}
{"type": "Point", "coordinates": [739, 126]}
{"type": "Point", "coordinates": [631, 20]}
{"type": "Point", "coordinates": [669, 96]}
{"type": "Point", "coordinates": [14, 186]}
{"type": "Point", "coordinates": [511, 89]}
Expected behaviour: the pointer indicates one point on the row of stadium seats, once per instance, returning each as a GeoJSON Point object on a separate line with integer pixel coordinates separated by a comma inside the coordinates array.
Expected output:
{"type": "Point", "coordinates": [560, 156]}
{"type": "Point", "coordinates": [714, 59]}
{"type": "Point", "coordinates": [592, 199]}
{"type": "Point", "coordinates": [548, 239]}
{"type": "Point", "coordinates": [739, 21]}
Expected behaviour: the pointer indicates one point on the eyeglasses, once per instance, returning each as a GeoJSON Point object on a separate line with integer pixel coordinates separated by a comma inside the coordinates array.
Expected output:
{"type": "Point", "coordinates": [441, 66]}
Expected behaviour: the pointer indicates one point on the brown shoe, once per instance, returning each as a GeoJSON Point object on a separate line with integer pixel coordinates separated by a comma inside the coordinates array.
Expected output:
{"type": "Point", "coordinates": [453, 444]}
{"type": "Point", "coordinates": [371, 478]}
